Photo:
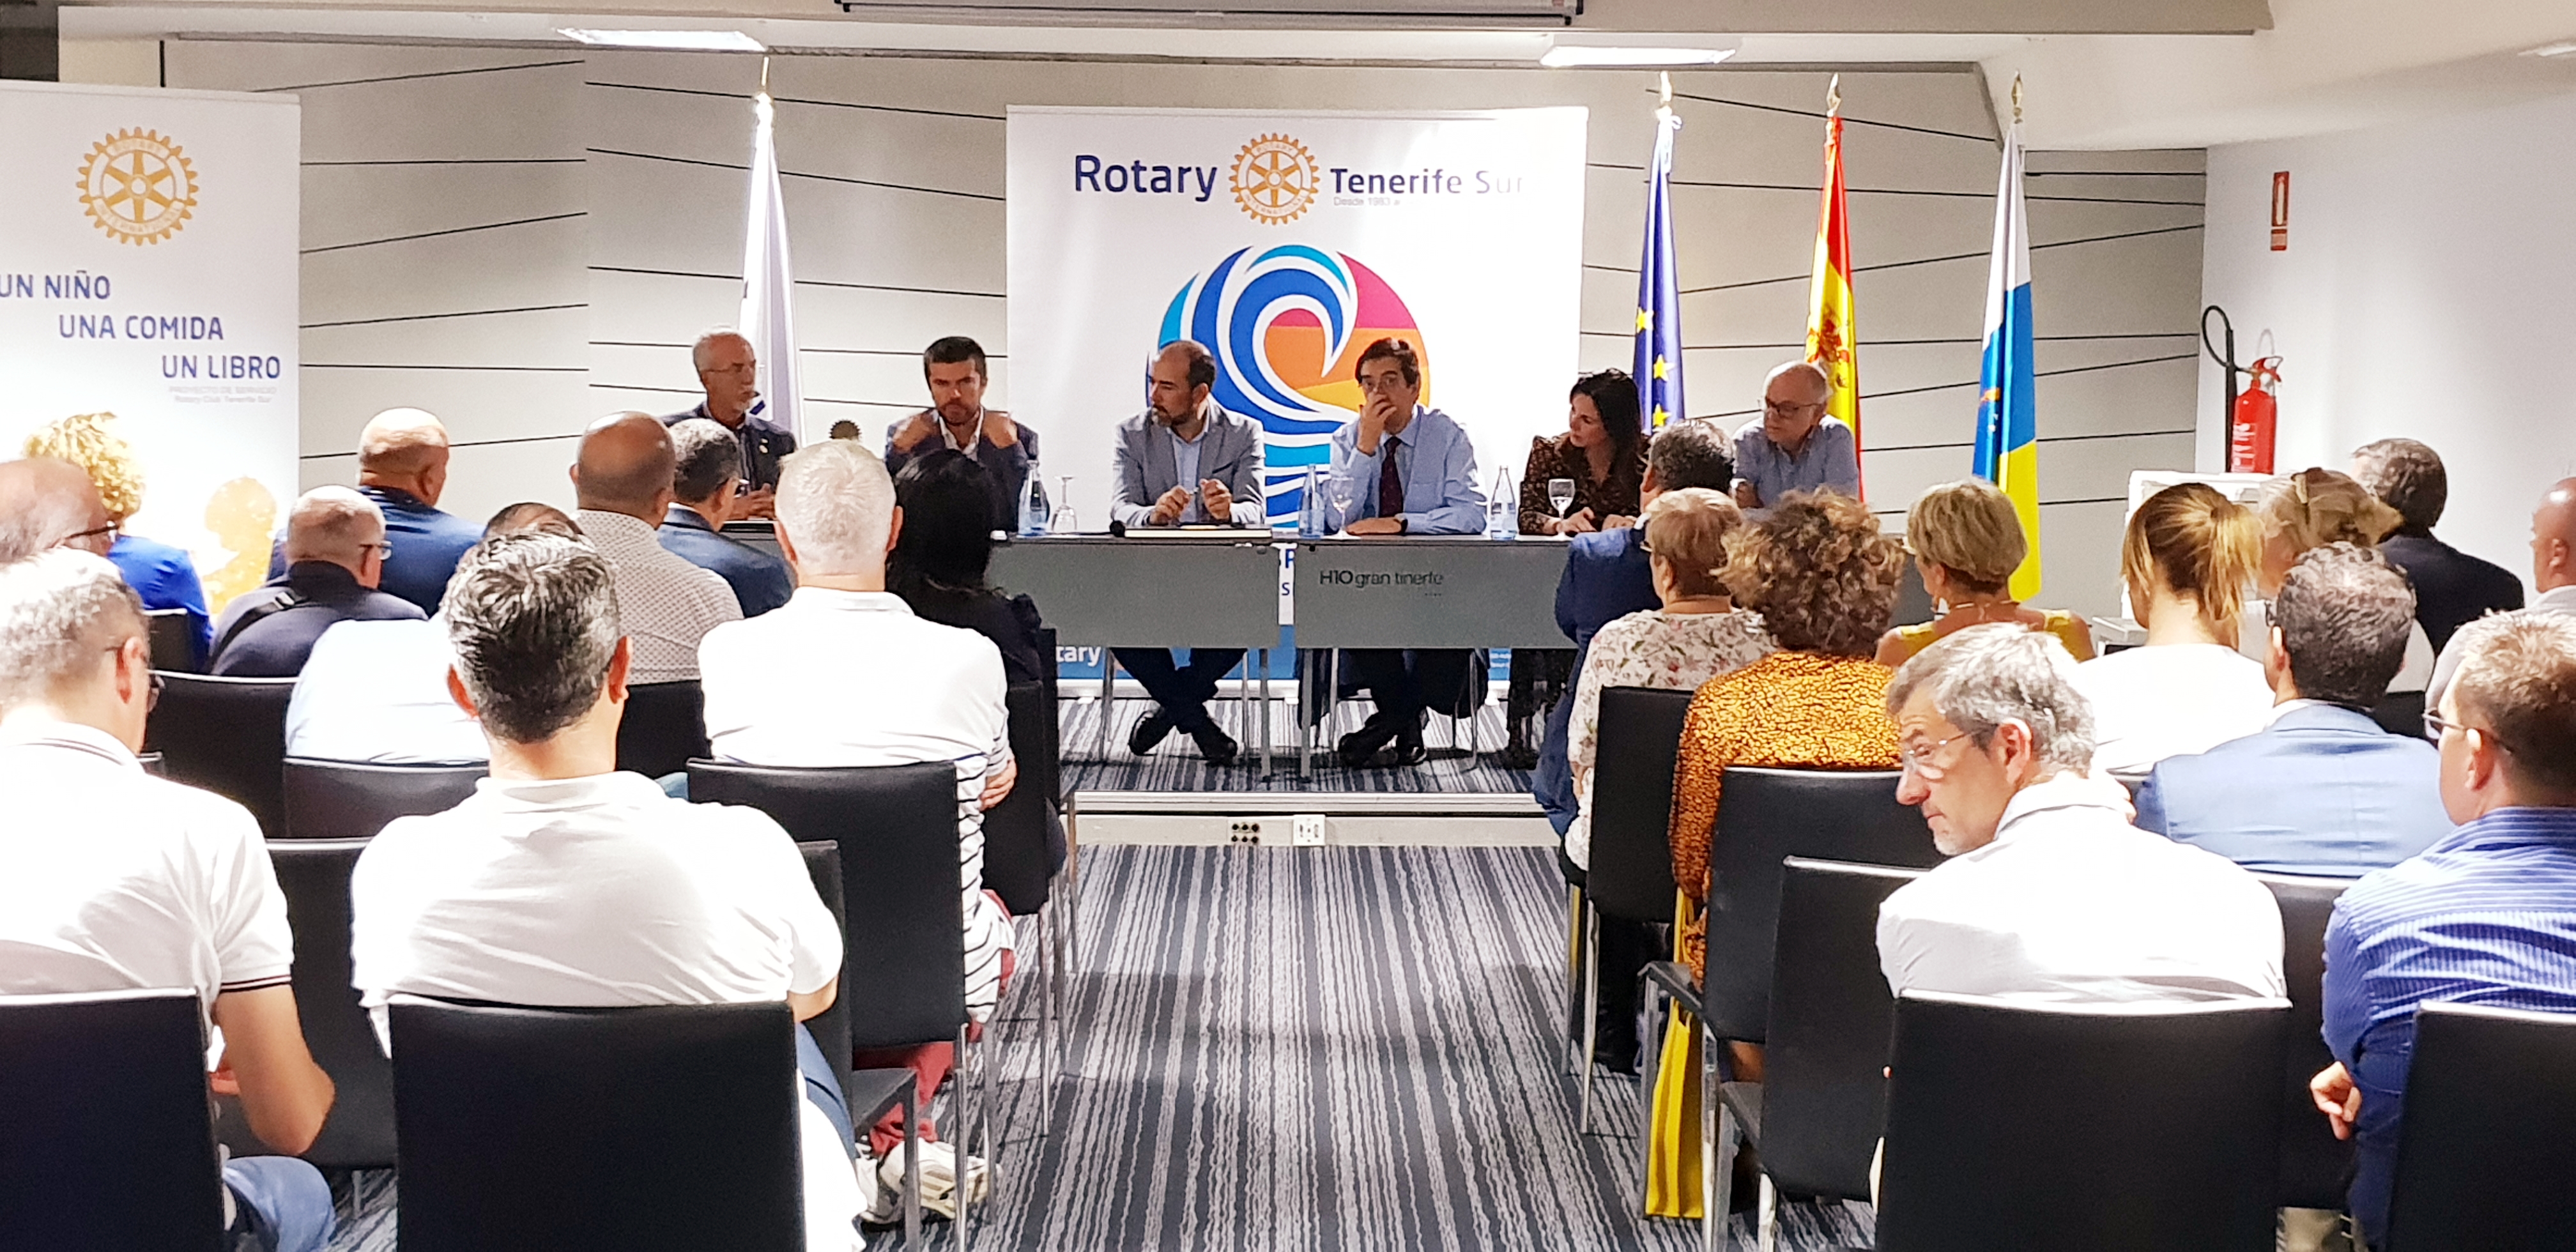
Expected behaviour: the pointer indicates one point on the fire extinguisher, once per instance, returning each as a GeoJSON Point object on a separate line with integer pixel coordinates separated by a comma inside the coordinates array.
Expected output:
{"type": "Point", "coordinates": [2252, 412]}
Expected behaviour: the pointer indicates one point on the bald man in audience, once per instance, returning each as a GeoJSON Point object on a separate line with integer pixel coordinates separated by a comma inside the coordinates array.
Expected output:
{"type": "Point", "coordinates": [2553, 572]}
{"type": "Point", "coordinates": [1796, 445]}
{"type": "Point", "coordinates": [622, 478]}
{"type": "Point", "coordinates": [335, 559]}
{"type": "Point", "coordinates": [402, 466]}
{"type": "Point", "coordinates": [46, 503]}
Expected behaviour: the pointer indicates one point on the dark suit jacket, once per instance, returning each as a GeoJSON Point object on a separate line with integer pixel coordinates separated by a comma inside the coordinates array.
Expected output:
{"type": "Point", "coordinates": [764, 444]}
{"type": "Point", "coordinates": [1009, 466]}
{"type": "Point", "coordinates": [426, 543]}
{"type": "Point", "coordinates": [275, 645]}
{"type": "Point", "coordinates": [2323, 791]}
{"type": "Point", "coordinates": [1606, 578]}
{"type": "Point", "coordinates": [2452, 588]}
{"type": "Point", "coordinates": [760, 582]}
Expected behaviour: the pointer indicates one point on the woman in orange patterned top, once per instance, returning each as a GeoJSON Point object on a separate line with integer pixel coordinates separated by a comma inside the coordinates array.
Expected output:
{"type": "Point", "coordinates": [1824, 580]}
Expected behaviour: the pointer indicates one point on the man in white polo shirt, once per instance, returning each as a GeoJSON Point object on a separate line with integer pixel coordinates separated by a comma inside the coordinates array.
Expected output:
{"type": "Point", "coordinates": [564, 883]}
{"type": "Point", "coordinates": [119, 881]}
{"type": "Point", "coordinates": [845, 675]}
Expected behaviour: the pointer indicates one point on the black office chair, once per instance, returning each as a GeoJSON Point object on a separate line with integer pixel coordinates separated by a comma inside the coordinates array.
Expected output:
{"type": "Point", "coordinates": [564, 1129]}
{"type": "Point", "coordinates": [227, 735]}
{"type": "Point", "coordinates": [105, 1142]}
{"type": "Point", "coordinates": [1814, 1120]}
{"type": "Point", "coordinates": [2482, 1161]}
{"type": "Point", "coordinates": [2315, 1166]}
{"type": "Point", "coordinates": [1631, 874]}
{"type": "Point", "coordinates": [2104, 1127]}
{"type": "Point", "coordinates": [350, 800]}
{"type": "Point", "coordinates": [2401, 713]}
{"type": "Point", "coordinates": [896, 827]}
{"type": "Point", "coordinates": [664, 728]}
{"type": "Point", "coordinates": [868, 1092]}
{"type": "Point", "coordinates": [1016, 862]}
{"type": "Point", "coordinates": [172, 639]}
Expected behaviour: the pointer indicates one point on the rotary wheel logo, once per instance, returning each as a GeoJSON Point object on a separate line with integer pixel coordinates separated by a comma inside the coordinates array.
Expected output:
{"type": "Point", "coordinates": [138, 187]}
{"type": "Point", "coordinates": [1275, 179]}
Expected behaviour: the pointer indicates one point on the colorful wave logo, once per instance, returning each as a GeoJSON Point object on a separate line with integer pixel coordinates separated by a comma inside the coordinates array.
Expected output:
{"type": "Point", "coordinates": [1287, 327]}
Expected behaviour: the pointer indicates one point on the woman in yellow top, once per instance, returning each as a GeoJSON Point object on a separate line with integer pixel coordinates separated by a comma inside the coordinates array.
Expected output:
{"type": "Point", "coordinates": [1967, 540]}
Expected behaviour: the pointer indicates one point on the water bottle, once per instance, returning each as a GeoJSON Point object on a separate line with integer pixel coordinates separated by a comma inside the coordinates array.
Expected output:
{"type": "Point", "coordinates": [1033, 505]}
{"type": "Point", "coordinates": [1502, 509]}
{"type": "Point", "coordinates": [1310, 508]}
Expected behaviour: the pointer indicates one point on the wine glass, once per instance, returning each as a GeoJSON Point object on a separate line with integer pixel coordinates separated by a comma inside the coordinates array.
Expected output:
{"type": "Point", "coordinates": [1343, 493]}
{"type": "Point", "coordinates": [1560, 496]}
{"type": "Point", "coordinates": [1063, 523]}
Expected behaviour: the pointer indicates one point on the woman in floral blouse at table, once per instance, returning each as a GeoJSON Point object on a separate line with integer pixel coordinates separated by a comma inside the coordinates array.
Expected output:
{"type": "Point", "coordinates": [1603, 450]}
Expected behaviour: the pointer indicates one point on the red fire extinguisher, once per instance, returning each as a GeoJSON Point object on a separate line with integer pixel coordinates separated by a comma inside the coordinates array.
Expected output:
{"type": "Point", "coordinates": [2250, 427]}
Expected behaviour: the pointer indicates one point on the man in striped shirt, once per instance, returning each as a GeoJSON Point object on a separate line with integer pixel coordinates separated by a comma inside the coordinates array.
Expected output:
{"type": "Point", "coordinates": [2487, 915]}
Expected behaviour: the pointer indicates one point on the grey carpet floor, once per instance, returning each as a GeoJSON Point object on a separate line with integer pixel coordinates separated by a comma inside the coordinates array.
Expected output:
{"type": "Point", "coordinates": [1175, 764]}
{"type": "Point", "coordinates": [1308, 1051]}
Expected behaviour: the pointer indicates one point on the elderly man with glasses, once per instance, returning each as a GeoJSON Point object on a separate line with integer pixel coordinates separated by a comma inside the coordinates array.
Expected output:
{"type": "Point", "coordinates": [1795, 445]}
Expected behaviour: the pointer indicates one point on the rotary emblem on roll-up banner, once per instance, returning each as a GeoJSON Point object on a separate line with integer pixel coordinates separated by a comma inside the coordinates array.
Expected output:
{"type": "Point", "coordinates": [138, 186]}
{"type": "Point", "coordinates": [1275, 179]}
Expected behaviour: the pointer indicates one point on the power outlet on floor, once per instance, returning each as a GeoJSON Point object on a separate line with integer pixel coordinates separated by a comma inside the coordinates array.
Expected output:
{"type": "Point", "coordinates": [1244, 830]}
{"type": "Point", "coordinates": [1308, 831]}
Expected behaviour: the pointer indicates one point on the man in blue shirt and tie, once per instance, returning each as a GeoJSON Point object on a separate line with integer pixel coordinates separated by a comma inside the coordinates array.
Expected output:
{"type": "Point", "coordinates": [2487, 915]}
{"type": "Point", "coordinates": [1402, 469]}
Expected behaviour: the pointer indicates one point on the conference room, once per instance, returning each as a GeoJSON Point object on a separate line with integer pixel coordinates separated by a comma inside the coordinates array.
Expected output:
{"type": "Point", "coordinates": [1480, 624]}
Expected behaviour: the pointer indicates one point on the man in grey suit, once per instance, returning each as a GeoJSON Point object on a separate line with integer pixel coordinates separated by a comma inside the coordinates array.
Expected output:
{"type": "Point", "coordinates": [1185, 461]}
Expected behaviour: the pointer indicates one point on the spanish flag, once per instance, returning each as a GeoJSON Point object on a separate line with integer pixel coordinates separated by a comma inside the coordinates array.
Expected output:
{"type": "Point", "coordinates": [1830, 340]}
{"type": "Point", "coordinates": [2007, 409]}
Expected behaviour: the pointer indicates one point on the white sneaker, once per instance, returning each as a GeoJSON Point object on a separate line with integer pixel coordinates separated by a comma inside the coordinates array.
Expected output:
{"type": "Point", "coordinates": [938, 1178]}
{"type": "Point", "coordinates": [885, 1204]}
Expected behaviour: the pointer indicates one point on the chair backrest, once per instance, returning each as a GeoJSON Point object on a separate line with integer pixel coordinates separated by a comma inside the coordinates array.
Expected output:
{"type": "Point", "coordinates": [172, 639]}
{"type": "Point", "coordinates": [637, 1129]}
{"type": "Point", "coordinates": [105, 1141]}
{"type": "Point", "coordinates": [1765, 816]}
{"type": "Point", "coordinates": [664, 728]}
{"type": "Point", "coordinates": [1824, 1091]}
{"type": "Point", "coordinates": [1015, 831]}
{"type": "Point", "coordinates": [227, 735]}
{"type": "Point", "coordinates": [350, 800]}
{"type": "Point", "coordinates": [904, 930]}
{"type": "Point", "coordinates": [2315, 1166]}
{"type": "Point", "coordinates": [2103, 1127]}
{"type": "Point", "coordinates": [359, 1134]}
{"type": "Point", "coordinates": [2401, 713]}
{"type": "Point", "coordinates": [2482, 1158]}
{"type": "Point", "coordinates": [831, 1027]}
{"type": "Point", "coordinates": [1631, 875]}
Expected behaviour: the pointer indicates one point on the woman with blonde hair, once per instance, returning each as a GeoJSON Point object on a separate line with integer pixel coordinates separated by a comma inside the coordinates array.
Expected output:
{"type": "Point", "coordinates": [2305, 511]}
{"type": "Point", "coordinates": [2188, 558]}
{"type": "Point", "coordinates": [162, 575]}
{"type": "Point", "coordinates": [1967, 540]}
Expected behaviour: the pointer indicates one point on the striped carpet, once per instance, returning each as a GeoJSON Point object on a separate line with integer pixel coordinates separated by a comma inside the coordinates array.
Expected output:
{"type": "Point", "coordinates": [1175, 764]}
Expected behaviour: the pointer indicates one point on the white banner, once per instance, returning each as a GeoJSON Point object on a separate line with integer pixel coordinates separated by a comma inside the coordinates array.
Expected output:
{"type": "Point", "coordinates": [148, 268]}
{"type": "Point", "coordinates": [1287, 242]}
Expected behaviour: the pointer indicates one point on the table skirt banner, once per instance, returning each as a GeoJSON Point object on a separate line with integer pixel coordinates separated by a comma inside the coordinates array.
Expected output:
{"type": "Point", "coordinates": [1287, 243]}
{"type": "Point", "coordinates": [148, 268]}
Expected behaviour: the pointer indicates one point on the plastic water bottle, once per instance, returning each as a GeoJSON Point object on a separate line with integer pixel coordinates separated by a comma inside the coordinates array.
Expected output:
{"type": "Point", "coordinates": [1033, 505]}
{"type": "Point", "coordinates": [1310, 509]}
{"type": "Point", "coordinates": [1502, 511]}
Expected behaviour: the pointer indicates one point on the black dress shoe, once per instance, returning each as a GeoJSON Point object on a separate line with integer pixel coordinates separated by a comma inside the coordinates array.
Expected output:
{"type": "Point", "coordinates": [1149, 732]}
{"type": "Point", "coordinates": [1358, 749]}
{"type": "Point", "coordinates": [1218, 747]}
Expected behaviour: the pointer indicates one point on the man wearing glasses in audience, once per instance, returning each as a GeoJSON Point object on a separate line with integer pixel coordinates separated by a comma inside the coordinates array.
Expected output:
{"type": "Point", "coordinates": [335, 559]}
{"type": "Point", "coordinates": [1795, 445]}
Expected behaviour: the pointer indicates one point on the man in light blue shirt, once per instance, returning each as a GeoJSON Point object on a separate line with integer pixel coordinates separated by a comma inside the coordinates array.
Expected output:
{"type": "Point", "coordinates": [1402, 469]}
{"type": "Point", "coordinates": [1795, 446]}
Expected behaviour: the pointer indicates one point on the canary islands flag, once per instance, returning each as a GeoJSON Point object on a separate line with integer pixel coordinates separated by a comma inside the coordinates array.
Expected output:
{"type": "Point", "coordinates": [2007, 417]}
{"type": "Point", "coordinates": [1830, 340]}
{"type": "Point", "coordinates": [1659, 297]}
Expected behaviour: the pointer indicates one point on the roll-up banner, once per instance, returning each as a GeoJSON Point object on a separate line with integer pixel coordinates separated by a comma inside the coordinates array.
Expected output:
{"type": "Point", "coordinates": [1287, 243]}
{"type": "Point", "coordinates": [148, 268]}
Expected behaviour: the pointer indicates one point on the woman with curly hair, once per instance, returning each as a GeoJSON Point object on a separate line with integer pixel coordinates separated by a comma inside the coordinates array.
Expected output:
{"type": "Point", "coordinates": [161, 574]}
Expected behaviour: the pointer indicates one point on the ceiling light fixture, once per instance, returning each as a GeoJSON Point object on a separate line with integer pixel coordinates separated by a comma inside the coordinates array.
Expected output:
{"type": "Point", "coordinates": [666, 40]}
{"type": "Point", "coordinates": [2562, 48]}
{"type": "Point", "coordinates": [1581, 56]}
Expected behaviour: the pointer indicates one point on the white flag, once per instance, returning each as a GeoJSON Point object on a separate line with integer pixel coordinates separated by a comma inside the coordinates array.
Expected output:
{"type": "Point", "coordinates": [768, 292]}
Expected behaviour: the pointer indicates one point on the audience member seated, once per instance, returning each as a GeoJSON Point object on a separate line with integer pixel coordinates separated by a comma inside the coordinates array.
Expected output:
{"type": "Point", "coordinates": [2487, 915]}
{"type": "Point", "coordinates": [2452, 588]}
{"type": "Point", "coordinates": [122, 881]}
{"type": "Point", "coordinates": [2324, 790]}
{"type": "Point", "coordinates": [1967, 541]}
{"type": "Point", "coordinates": [2553, 571]}
{"type": "Point", "coordinates": [50, 503]}
{"type": "Point", "coordinates": [706, 484]}
{"type": "Point", "coordinates": [563, 883]}
{"type": "Point", "coordinates": [2186, 560]}
{"type": "Point", "coordinates": [1603, 453]}
{"type": "Point", "coordinates": [161, 573]}
{"type": "Point", "coordinates": [335, 554]}
{"type": "Point", "coordinates": [2050, 894]}
{"type": "Point", "coordinates": [1606, 578]}
{"type": "Point", "coordinates": [1824, 580]}
{"type": "Point", "coordinates": [1404, 469]}
{"type": "Point", "coordinates": [402, 466]}
{"type": "Point", "coordinates": [622, 478]}
{"type": "Point", "coordinates": [939, 561]}
{"type": "Point", "coordinates": [846, 675]}
{"type": "Point", "coordinates": [376, 692]}
{"type": "Point", "coordinates": [2305, 511]}
{"type": "Point", "coordinates": [1797, 444]}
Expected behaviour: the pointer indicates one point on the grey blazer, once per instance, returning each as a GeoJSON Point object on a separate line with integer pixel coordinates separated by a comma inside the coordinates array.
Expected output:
{"type": "Point", "coordinates": [1229, 452]}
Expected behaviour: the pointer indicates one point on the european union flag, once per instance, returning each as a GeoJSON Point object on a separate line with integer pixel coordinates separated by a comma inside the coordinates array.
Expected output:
{"type": "Point", "coordinates": [1659, 297]}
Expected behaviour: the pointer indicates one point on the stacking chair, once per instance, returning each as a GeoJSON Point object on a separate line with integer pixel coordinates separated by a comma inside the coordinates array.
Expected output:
{"type": "Point", "coordinates": [2315, 1166]}
{"type": "Point", "coordinates": [2482, 1160]}
{"type": "Point", "coordinates": [868, 1092]}
{"type": "Point", "coordinates": [227, 735]}
{"type": "Point", "coordinates": [1631, 876]}
{"type": "Point", "coordinates": [1814, 1119]}
{"type": "Point", "coordinates": [172, 640]}
{"type": "Point", "coordinates": [2401, 713]}
{"type": "Point", "coordinates": [104, 1138]}
{"type": "Point", "coordinates": [359, 1133]}
{"type": "Point", "coordinates": [665, 727]}
{"type": "Point", "coordinates": [905, 958]}
{"type": "Point", "coordinates": [2103, 1127]}
{"type": "Point", "coordinates": [1015, 858]}
{"type": "Point", "coordinates": [351, 800]}
{"type": "Point", "coordinates": [634, 1129]}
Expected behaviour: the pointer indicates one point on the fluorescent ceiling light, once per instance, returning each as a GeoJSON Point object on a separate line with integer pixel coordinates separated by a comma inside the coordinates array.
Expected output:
{"type": "Point", "coordinates": [1566, 56]}
{"type": "Point", "coordinates": [2559, 49]}
{"type": "Point", "coordinates": [669, 40]}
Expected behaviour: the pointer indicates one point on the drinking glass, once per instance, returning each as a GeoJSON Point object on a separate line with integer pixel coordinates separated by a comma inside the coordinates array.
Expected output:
{"type": "Point", "coordinates": [1560, 495]}
{"type": "Point", "coordinates": [1063, 523]}
{"type": "Point", "coordinates": [1343, 493]}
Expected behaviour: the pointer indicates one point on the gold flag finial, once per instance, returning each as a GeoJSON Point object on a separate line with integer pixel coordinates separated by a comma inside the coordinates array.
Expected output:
{"type": "Point", "coordinates": [1834, 95]}
{"type": "Point", "coordinates": [2016, 97]}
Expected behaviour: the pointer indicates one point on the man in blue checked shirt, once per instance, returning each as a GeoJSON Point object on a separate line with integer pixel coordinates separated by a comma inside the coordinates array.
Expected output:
{"type": "Point", "coordinates": [2487, 915]}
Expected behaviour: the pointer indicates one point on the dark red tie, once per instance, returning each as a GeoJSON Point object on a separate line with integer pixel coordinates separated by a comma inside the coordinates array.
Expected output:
{"type": "Point", "coordinates": [1390, 480]}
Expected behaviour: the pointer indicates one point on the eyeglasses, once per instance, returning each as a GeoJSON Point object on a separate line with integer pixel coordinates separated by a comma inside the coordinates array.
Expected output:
{"type": "Point", "coordinates": [384, 550]}
{"type": "Point", "coordinates": [151, 692]}
{"type": "Point", "coordinates": [1790, 409]}
{"type": "Point", "coordinates": [1917, 760]}
{"type": "Point", "coordinates": [2435, 724]}
{"type": "Point", "coordinates": [109, 531]}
